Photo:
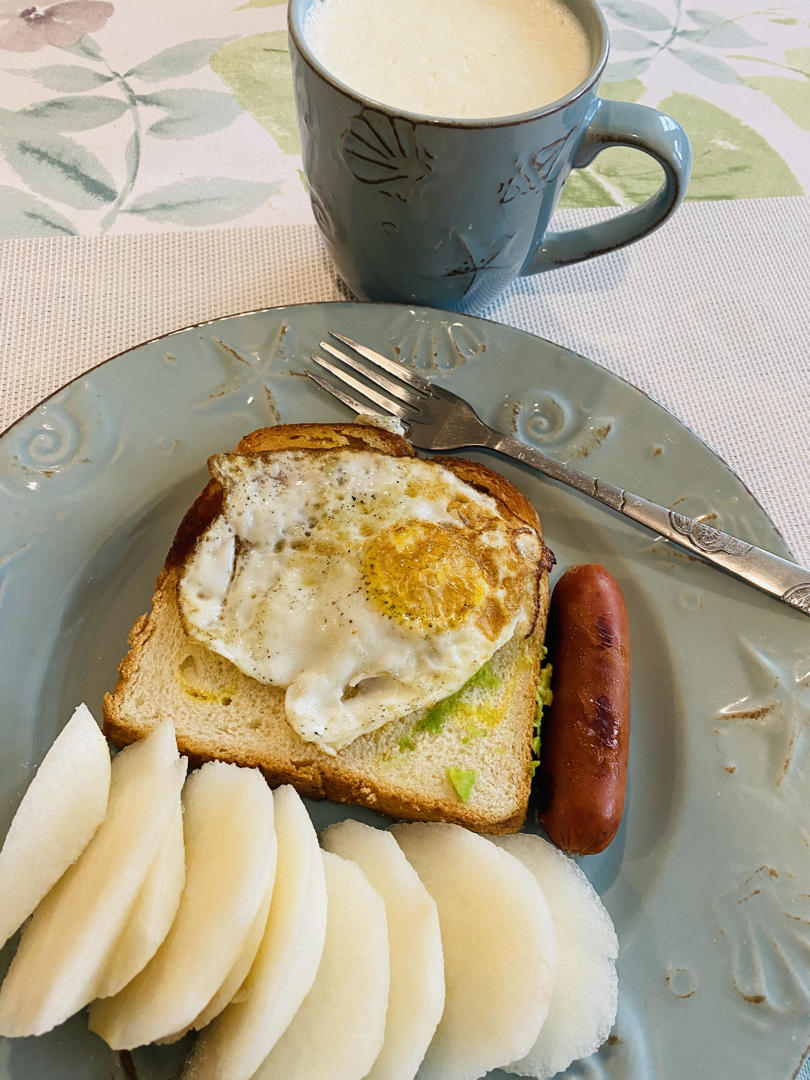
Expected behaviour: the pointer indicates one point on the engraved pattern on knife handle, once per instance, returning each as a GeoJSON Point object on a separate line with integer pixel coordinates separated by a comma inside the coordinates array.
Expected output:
{"type": "Point", "coordinates": [799, 597]}
{"type": "Point", "coordinates": [711, 541]}
{"type": "Point", "coordinates": [706, 538]}
{"type": "Point", "coordinates": [771, 573]}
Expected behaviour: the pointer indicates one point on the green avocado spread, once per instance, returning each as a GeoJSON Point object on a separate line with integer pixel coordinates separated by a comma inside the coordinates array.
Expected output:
{"type": "Point", "coordinates": [542, 698]}
{"type": "Point", "coordinates": [463, 780]}
{"type": "Point", "coordinates": [454, 706]}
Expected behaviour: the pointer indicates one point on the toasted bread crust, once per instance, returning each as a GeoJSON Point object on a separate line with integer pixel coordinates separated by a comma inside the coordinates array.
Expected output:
{"type": "Point", "coordinates": [282, 437]}
{"type": "Point", "coordinates": [513, 500]}
{"type": "Point", "coordinates": [205, 727]}
{"type": "Point", "coordinates": [325, 437]}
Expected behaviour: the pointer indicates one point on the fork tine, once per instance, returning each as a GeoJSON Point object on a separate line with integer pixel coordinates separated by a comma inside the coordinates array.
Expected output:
{"type": "Point", "coordinates": [399, 371]}
{"type": "Point", "coordinates": [377, 378]}
{"type": "Point", "coordinates": [385, 403]}
{"type": "Point", "coordinates": [341, 395]}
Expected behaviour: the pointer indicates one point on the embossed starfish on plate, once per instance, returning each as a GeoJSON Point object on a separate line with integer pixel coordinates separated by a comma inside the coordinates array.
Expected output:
{"type": "Point", "coordinates": [776, 711]}
{"type": "Point", "coordinates": [253, 370]}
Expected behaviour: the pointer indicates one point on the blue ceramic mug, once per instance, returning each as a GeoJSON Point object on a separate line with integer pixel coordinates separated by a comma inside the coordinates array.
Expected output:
{"type": "Point", "coordinates": [448, 212]}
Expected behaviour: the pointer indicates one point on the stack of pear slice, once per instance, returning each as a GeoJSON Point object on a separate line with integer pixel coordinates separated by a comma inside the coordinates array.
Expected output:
{"type": "Point", "coordinates": [168, 904]}
{"type": "Point", "coordinates": [62, 960]}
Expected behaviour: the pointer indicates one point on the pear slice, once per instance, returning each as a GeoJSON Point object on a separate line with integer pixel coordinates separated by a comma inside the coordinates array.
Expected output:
{"type": "Point", "coordinates": [339, 1029]}
{"type": "Point", "coordinates": [152, 913]}
{"type": "Point", "coordinates": [239, 1039]}
{"type": "Point", "coordinates": [55, 820]}
{"type": "Point", "coordinates": [584, 999]}
{"type": "Point", "coordinates": [416, 994]}
{"type": "Point", "coordinates": [230, 862]}
{"type": "Point", "coordinates": [71, 936]}
{"type": "Point", "coordinates": [239, 971]}
{"type": "Point", "coordinates": [236, 976]}
{"type": "Point", "coordinates": [499, 949]}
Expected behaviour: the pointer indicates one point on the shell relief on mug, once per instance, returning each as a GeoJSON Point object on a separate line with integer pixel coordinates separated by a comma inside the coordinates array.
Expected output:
{"type": "Point", "coordinates": [532, 172]}
{"type": "Point", "coordinates": [386, 153]}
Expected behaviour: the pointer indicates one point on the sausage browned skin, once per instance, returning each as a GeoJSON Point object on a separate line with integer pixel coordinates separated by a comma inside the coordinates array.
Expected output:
{"type": "Point", "coordinates": [585, 731]}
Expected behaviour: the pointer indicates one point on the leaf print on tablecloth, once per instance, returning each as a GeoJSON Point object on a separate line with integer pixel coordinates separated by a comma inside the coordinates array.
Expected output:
{"type": "Point", "coordinates": [799, 59]}
{"type": "Point", "coordinates": [628, 90]}
{"type": "Point", "coordinates": [630, 41]}
{"type": "Point", "coordinates": [790, 93]}
{"type": "Point", "coordinates": [52, 164]}
{"type": "Point", "coordinates": [731, 159]}
{"type": "Point", "coordinates": [257, 71]}
{"type": "Point", "coordinates": [638, 15]}
{"type": "Point", "coordinates": [207, 200]}
{"type": "Point", "coordinates": [67, 77]}
{"type": "Point", "coordinates": [583, 189]}
{"type": "Point", "coordinates": [183, 59]}
{"type": "Point", "coordinates": [188, 113]}
{"type": "Point", "coordinates": [74, 112]}
{"type": "Point", "coordinates": [718, 31]}
{"type": "Point", "coordinates": [60, 169]}
{"type": "Point", "coordinates": [626, 70]}
{"type": "Point", "coordinates": [85, 46]}
{"type": "Point", "coordinates": [26, 218]}
{"type": "Point", "coordinates": [707, 65]}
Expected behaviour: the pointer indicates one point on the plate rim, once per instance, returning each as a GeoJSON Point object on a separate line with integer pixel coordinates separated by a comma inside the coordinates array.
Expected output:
{"type": "Point", "coordinates": [441, 313]}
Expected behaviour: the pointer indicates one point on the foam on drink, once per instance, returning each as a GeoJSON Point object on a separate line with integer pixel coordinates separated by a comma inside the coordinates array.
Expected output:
{"type": "Point", "coordinates": [452, 58]}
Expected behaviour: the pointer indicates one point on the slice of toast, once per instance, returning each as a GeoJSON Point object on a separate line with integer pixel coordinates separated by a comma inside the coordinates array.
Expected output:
{"type": "Point", "coordinates": [418, 766]}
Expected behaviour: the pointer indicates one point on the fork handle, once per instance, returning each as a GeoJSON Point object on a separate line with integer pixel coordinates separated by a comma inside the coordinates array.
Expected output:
{"type": "Point", "coordinates": [781, 578]}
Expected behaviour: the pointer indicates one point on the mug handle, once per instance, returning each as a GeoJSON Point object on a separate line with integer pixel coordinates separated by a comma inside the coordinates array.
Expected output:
{"type": "Point", "coordinates": [622, 123]}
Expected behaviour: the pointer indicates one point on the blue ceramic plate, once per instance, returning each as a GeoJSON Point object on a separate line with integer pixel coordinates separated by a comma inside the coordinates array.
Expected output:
{"type": "Point", "coordinates": [708, 881]}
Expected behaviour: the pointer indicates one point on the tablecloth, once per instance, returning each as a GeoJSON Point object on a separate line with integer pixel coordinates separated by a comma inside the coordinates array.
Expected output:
{"type": "Point", "coordinates": [150, 178]}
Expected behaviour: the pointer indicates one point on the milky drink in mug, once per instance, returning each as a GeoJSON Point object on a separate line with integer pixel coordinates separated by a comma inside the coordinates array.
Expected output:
{"type": "Point", "coordinates": [461, 58]}
{"type": "Point", "coordinates": [437, 135]}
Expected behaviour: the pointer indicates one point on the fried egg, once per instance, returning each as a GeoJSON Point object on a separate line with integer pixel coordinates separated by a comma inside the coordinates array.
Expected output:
{"type": "Point", "coordinates": [364, 584]}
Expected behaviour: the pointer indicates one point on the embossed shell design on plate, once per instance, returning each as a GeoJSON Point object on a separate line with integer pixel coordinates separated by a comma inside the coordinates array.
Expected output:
{"type": "Point", "coordinates": [385, 152]}
{"type": "Point", "coordinates": [72, 434]}
{"type": "Point", "coordinates": [428, 350]}
{"type": "Point", "coordinates": [766, 921]}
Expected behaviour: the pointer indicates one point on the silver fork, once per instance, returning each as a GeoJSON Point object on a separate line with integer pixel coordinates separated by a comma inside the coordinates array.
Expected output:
{"type": "Point", "coordinates": [437, 419]}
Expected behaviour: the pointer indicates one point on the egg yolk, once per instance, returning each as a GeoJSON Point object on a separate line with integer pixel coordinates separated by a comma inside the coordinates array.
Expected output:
{"type": "Point", "coordinates": [424, 575]}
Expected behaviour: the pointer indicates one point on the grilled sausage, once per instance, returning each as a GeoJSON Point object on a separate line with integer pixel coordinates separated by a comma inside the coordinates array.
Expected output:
{"type": "Point", "coordinates": [585, 731]}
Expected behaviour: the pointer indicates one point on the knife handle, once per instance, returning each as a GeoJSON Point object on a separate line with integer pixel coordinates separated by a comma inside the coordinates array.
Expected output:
{"type": "Point", "coordinates": [781, 578]}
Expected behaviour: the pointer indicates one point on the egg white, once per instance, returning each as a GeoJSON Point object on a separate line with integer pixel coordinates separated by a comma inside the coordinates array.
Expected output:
{"type": "Point", "coordinates": [281, 584]}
